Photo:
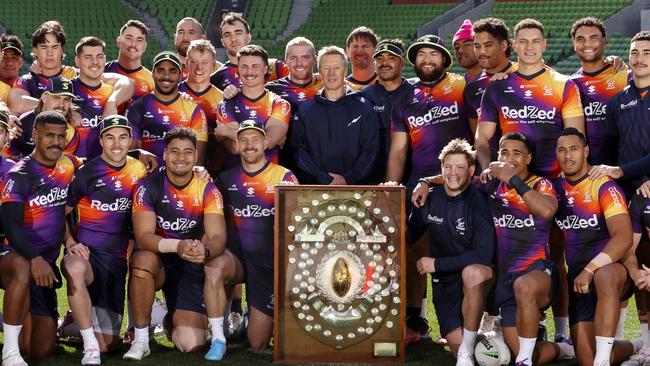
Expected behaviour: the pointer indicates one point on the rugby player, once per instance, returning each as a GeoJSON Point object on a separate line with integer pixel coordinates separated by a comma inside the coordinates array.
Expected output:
{"type": "Point", "coordinates": [463, 44]}
{"type": "Point", "coordinates": [179, 229]}
{"type": "Point", "coordinates": [187, 30]}
{"type": "Point", "coordinates": [235, 34]}
{"type": "Point", "coordinates": [461, 244]}
{"type": "Point", "coordinates": [95, 265]}
{"type": "Point", "coordinates": [249, 257]}
{"type": "Point", "coordinates": [335, 136]}
{"type": "Point", "coordinates": [359, 47]}
{"type": "Point", "coordinates": [33, 214]}
{"type": "Point", "coordinates": [594, 219]}
{"type": "Point", "coordinates": [158, 112]}
{"type": "Point", "coordinates": [12, 59]}
{"type": "Point", "coordinates": [253, 103]}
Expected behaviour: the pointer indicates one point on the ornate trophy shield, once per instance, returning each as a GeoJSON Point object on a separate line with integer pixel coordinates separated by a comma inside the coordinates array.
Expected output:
{"type": "Point", "coordinates": [339, 269]}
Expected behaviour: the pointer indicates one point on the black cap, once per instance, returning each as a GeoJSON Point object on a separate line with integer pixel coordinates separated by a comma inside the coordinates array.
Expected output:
{"type": "Point", "coordinates": [429, 41]}
{"type": "Point", "coordinates": [385, 46]}
{"type": "Point", "coordinates": [113, 121]}
{"type": "Point", "coordinates": [59, 86]}
{"type": "Point", "coordinates": [11, 45]}
{"type": "Point", "coordinates": [249, 124]}
{"type": "Point", "coordinates": [167, 56]}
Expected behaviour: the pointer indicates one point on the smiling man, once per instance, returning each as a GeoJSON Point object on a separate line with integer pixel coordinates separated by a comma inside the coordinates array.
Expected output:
{"type": "Point", "coordinates": [463, 43]}
{"type": "Point", "coordinates": [359, 47]}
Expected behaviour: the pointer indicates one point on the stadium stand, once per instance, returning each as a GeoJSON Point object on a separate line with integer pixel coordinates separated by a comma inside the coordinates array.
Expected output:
{"type": "Point", "coordinates": [169, 12]}
{"type": "Point", "coordinates": [268, 18]}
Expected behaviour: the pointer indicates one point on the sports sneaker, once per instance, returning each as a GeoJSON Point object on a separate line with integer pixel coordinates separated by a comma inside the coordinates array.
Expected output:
{"type": "Point", "coordinates": [567, 352]}
{"type": "Point", "coordinates": [216, 352]}
{"type": "Point", "coordinates": [91, 357]}
{"type": "Point", "coordinates": [139, 350]}
{"type": "Point", "coordinates": [641, 358]}
{"type": "Point", "coordinates": [13, 358]}
{"type": "Point", "coordinates": [465, 359]}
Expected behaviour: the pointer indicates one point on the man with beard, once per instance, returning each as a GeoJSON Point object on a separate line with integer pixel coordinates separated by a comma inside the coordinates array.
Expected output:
{"type": "Point", "coordinates": [33, 214]}
{"type": "Point", "coordinates": [388, 90]}
{"type": "Point", "coordinates": [463, 43]}
{"type": "Point", "coordinates": [594, 219]}
{"type": "Point", "coordinates": [235, 34]}
{"type": "Point", "coordinates": [461, 248]}
{"type": "Point", "coordinates": [335, 136]}
{"type": "Point", "coordinates": [179, 228]}
{"type": "Point", "coordinates": [359, 47]}
{"type": "Point", "coordinates": [156, 113]}
{"type": "Point", "coordinates": [12, 58]}
{"type": "Point", "coordinates": [253, 103]}
{"type": "Point", "coordinates": [200, 60]}
{"type": "Point", "coordinates": [188, 30]}
{"type": "Point", "coordinates": [249, 254]}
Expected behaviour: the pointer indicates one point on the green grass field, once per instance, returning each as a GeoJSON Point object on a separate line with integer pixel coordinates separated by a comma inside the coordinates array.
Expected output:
{"type": "Point", "coordinates": [425, 353]}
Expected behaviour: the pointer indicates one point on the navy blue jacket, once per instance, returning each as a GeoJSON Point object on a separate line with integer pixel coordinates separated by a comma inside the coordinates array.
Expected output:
{"type": "Point", "coordinates": [340, 137]}
{"type": "Point", "coordinates": [461, 230]}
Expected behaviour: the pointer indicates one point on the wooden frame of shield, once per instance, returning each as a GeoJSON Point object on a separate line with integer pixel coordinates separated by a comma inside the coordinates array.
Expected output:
{"type": "Point", "coordinates": [339, 274]}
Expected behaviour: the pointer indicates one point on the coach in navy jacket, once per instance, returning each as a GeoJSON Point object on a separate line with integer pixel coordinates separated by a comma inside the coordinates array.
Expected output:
{"type": "Point", "coordinates": [335, 136]}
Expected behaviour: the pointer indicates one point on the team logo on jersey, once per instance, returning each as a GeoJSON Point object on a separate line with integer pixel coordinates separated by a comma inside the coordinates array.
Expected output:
{"type": "Point", "coordinates": [460, 225]}
{"type": "Point", "coordinates": [509, 221]}
{"type": "Point", "coordinates": [253, 211]}
{"type": "Point", "coordinates": [183, 117]}
{"type": "Point", "coordinates": [253, 113]}
{"type": "Point", "coordinates": [548, 91]}
{"type": "Point", "coordinates": [301, 96]}
{"type": "Point", "coordinates": [505, 202]}
{"type": "Point", "coordinates": [55, 197]}
{"type": "Point", "coordinates": [165, 120]}
{"type": "Point", "coordinates": [120, 204]}
{"type": "Point", "coordinates": [180, 205]}
{"type": "Point", "coordinates": [611, 84]}
{"type": "Point", "coordinates": [435, 113]}
{"type": "Point", "coordinates": [587, 197]}
{"type": "Point", "coordinates": [570, 201]}
{"type": "Point", "coordinates": [250, 192]}
{"type": "Point", "coordinates": [435, 219]}
{"type": "Point", "coordinates": [529, 112]}
{"type": "Point", "coordinates": [96, 103]}
{"type": "Point", "coordinates": [118, 185]}
{"type": "Point", "coordinates": [195, 201]}
{"type": "Point", "coordinates": [528, 94]}
{"type": "Point", "coordinates": [574, 222]}
{"type": "Point", "coordinates": [447, 90]}
{"type": "Point", "coordinates": [179, 225]}
{"type": "Point", "coordinates": [591, 89]}
{"type": "Point", "coordinates": [270, 190]}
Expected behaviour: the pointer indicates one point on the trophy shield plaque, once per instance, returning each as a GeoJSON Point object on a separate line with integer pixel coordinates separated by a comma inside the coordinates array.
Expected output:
{"type": "Point", "coordinates": [339, 268]}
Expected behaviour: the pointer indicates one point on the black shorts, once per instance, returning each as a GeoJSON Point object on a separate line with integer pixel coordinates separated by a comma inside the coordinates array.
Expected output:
{"type": "Point", "coordinates": [448, 301]}
{"type": "Point", "coordinates": [259, 281]}
{"type": "Point", "coordinates": [582, 307]}
{"type": "Point", "coordinates": [43, 300]}
{"type": "Point", "coordinates": [109, 281]}
{"type": "Point", "coordinates": [505, 293]}
{"type": "Point", "coordinates": [183, 287]}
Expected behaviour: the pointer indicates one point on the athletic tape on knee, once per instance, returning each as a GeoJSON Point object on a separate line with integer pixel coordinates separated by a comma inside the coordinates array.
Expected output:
{"type": "Point", "coordinates": [186, 338]}
{"type": "Point", "coordinates": [141, 273]}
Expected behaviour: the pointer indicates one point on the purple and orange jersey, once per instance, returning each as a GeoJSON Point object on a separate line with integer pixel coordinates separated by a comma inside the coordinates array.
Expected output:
{"type": "Point", "coordinates": [208, 100]}
{"type": "Point", "coordinates": [294, 93]}
{"type": "Point", "coordinates": [151, 118]}
{"type": "Point", "coordinates": [522, 238]}
{"type": "Point", "coordinates": [584, 207]}
{"type": "Point", "coordinates": [357, 85]}
{"type": "Point", "coordinates": [241, 108]}
{"type": "Point", "coordinates": [23, 145]}
{"type": "Point", "coordinates": [5, 166]}
{"type": "Point", "coordinates": [102, 195]}
{"type": "Point", "coordinates": [34, 83]}
{"type": "Point", "coordinates": [179, 210]}
{"type": "Point", "coordinates": [250, 206]}
{"type": "Point", "coordinates": [640, 214]}
{"type": "Point", "coordinates": [4, 92]}
{"type": "Point", "coordinates": [43, 191]}
{"type": "Point", "coordinates": [91, 101]}
{"type": "Point", "coordinates": [141, 75]}
{"type": "Point", "coordinates": [228, 74]}
{"type": "Point", "coordinates": [436, 114]}
{"type": "Point", "coordinates": [534, 105]}
{"type": "Point", "coordinates": [596, 89]}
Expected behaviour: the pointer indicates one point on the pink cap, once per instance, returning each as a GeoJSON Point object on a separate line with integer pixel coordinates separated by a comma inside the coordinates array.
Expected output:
{"type": "Point", "coordinates": [465, 32]}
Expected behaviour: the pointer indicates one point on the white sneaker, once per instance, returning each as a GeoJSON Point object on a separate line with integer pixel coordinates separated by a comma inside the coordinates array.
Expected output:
{"type": "Point", "coordinates": [13, 358]}
{"type": "Point", "coordinates": [91, 357]}
{"type": "Point", "coordinates": [567, 352]}
{"type": "Point", "coordinates": [465, 359]}
{"type": "Point", "coordinates": [139, 350]}
{"type": "Point", "coordinates": [641, 358]}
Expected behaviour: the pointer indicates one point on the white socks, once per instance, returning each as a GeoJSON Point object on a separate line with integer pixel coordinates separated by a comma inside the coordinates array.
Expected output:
{"type": "Point", "coordinates": [423, 308]}
{"type": "Point", "coordinates": [561, 325]}
{"type": "Point", "coordinates": [90, 341]}
{"type": "Point", "coordinates": [526, 348]}
{"type": "Point", "coordinates": [216, 329]}
{"type": "Point", "coordinates": [603, 350]}
{"type": "Point", "coordinates": [468, 342]}
{"type": "Point", "coordinates": [12, 333]}
{"type": "Point", "coordinates": [620, 327]}
{"type": "Point", "coordinates": [142, 333]}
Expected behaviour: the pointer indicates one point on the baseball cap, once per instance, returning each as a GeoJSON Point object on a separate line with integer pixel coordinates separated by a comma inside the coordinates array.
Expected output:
{"type": "Point", "coordinates": [464, 33]}
{"type": "Point", "coordinates": [11, 45]}
{"type": "Point", "coordinates": [429, 41]}
{"type": "Point", "coordinates": [113, 121]}
{"type": "Point", "coordinates": [167, 56]}
{"type": "Point", "coordinates": [59, 86]}
{"type": "Point", "coordinates": [385, 46]}
{"type": "Point", "coordinates": [250, 125]}
{"type": "Point", "coordinates": [4, 119]}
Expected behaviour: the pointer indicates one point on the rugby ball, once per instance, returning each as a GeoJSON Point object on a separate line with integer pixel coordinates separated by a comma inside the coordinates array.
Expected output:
{"type": "Point", "coordinates": [491, 351]}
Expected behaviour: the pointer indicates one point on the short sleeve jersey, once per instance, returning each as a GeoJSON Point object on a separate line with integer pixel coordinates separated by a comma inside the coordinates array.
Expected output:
{"type": "Point", "coordinates": [34, 83]}
{"type": "Point", "coordinates": [141, 75]}
{"type": "Point", "coordinates": [91, 101]}
{"type": "Point", "coordinates": [43, 191]}
{"type": "Point", "coordinates": [151, 118]}
{"type": "Point", "coordinates": [294, 93]}
{"type": "Point", "coordinates": [102, 195]}
{"type": "Point", "coordinates": [596, 89]}
{"type": "Point", "coordinates": [584, 207]}
{"type": "Point", "coordinates": [536, 106]}
{"type": "Point", "coordinates": [266, 106]}
{"type": "Point", "coordinates": [522, 238]}
{"type": "Point", "coordinates": [228, 74]}
{"type": "Point", "coordinates": [250, 206]}
{"type": "Point", "coordinates": [23, 145]}
{"type": "Point", "coordinates": [179, 210]}
{"type": "Point", "coordinates": [358, 85]}
{"type": "Point", "coordinates": [434, 115]}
